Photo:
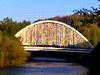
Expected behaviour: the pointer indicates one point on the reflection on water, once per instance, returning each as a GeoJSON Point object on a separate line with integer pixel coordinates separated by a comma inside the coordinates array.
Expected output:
{"type": "Point", "coordinates": [46, 68]}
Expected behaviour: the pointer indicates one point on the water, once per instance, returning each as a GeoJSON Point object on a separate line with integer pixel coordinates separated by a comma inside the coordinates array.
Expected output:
{"type": "Point", "coordinates": [46, 68]}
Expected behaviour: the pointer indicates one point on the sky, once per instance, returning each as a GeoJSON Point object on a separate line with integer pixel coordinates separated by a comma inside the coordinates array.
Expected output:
{"type": "Point", "coordinates": [31, 10]}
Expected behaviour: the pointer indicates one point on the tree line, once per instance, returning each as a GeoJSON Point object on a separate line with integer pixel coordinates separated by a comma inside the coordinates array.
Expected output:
{"type": "Point", "coordinates": [85, 21]}
{"type": "Point", "coordinates": [11, 51]}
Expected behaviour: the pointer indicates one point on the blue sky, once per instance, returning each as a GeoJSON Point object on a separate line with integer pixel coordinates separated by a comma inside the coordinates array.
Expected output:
{"type": "Point", "coordinates": [32, 10]}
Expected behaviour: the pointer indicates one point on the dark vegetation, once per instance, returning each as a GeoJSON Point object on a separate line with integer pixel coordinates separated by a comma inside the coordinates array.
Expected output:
{"type": "Point", "coordinates": [11, 51]}
{"type": "Point", "coordinates": [94, 60]}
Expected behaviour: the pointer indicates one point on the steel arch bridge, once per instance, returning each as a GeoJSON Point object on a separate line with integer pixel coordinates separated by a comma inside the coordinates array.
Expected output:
{"type": "Point", "coordinates": [52, 35]}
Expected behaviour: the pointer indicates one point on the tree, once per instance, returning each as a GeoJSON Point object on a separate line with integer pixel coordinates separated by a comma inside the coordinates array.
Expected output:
{"type": "Point", "coordinates": [12, 52]}
{"type": "Point", "coordinates": [97, 10]}
{"type": "Point", "coordinates": [1, 51]}
{"type": "Point", "coordinates": [91, 32]}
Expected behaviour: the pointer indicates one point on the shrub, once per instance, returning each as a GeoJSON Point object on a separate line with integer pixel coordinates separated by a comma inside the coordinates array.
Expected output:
{"type": "Point", "coordinates": [12, 52]}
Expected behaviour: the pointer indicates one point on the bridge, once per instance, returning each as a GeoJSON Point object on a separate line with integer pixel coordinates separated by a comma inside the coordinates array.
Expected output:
{"type": "Point", "coordinates": [51, 35]}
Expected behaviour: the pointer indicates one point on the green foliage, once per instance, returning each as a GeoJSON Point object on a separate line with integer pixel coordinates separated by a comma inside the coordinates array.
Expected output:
{"type": "Point", "coordinates": [10, 28]}
{"type": "Point", "coordinates": [1, 34]}
{"type": "Point", "coordinates": [11, 50]}
{"type": "Point", "coordinates": [90, 27]}
{"type": "Point", "coordinates": [91, 32]}
{"type": "Point", "coordinates": [14, 53]}
{"type": "Point", "coordinates": [1, 51]}
{"type": "Point", "coordinates": [76, 24]}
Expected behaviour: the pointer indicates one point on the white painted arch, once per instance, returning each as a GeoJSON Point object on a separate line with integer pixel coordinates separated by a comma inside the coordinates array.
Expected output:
{"type": "Point", "coordinates": [51, 21]}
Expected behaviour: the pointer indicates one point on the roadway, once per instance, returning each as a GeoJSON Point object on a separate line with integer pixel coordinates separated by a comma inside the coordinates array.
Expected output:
{"type": "Point", "coordinates": [53, 49]}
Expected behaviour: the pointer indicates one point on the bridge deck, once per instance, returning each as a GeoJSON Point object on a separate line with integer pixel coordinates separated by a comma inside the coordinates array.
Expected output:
{"type": "Point", "coordinates": [78, 50]}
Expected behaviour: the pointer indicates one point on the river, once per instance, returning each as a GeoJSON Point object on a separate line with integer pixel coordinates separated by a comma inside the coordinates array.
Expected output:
{"type": "Point", "coordinates": [59, 67]}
